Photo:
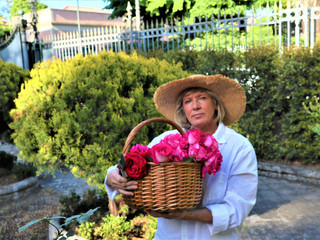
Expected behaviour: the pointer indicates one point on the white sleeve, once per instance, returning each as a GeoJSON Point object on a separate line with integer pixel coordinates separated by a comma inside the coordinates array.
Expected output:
{"type": "Point", "coordinates": [240, 195]}
{"type": "Point", "coordinates": [112, 193]}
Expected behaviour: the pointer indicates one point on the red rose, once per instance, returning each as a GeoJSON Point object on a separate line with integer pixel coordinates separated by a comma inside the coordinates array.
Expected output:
{"type": "Point", "coordinates": [136, 165]}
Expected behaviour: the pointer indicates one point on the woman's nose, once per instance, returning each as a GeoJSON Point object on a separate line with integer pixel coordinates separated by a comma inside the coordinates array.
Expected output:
{"type": "Point", "coordinates": [195, 105]}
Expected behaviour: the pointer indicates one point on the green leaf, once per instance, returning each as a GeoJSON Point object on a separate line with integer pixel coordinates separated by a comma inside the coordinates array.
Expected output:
{"type": "Point", "coordinates": [70, 219]}
{"type": "Point", "coordinates": [70, 233]}
{"type": "Point", "coordinates": [29, 224]}
{"type": "Point", "coordinates": [149, 159]}
{"type": "Point", "coordinates": [36, 221]}
{"type": "Point", "coordinates": [85, 217]}
{"type": "Point", "coordinates": [188, 160]}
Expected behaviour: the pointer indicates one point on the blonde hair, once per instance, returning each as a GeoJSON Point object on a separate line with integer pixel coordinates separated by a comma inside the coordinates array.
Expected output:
{"type": "Point", "coordinates": [180, 116]}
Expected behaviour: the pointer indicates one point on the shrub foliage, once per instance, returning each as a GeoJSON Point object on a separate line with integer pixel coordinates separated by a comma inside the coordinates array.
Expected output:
{"type": "Point", "coordinates": [277, 86]}
{"type": "Point", "coordinates": [78, 113]}
{"type": "Point", "coordinates": [11, 78]}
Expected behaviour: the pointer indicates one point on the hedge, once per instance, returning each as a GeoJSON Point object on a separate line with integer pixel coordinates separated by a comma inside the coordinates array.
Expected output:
{"type": "Point", "coordinates": [11, 78]}
{"type": "Point", "coordinates": [277, 85]}
{"type": "Point", "coordinates": [78, 113]}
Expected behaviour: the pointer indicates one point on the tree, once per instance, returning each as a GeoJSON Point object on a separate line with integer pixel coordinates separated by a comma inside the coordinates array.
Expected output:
{"type": "Point", "coordinates": [4, 29]}
{"type": "Point", "coordinates": [201, 8]}
{"type": "Point", "coordinates": [23, 5]}
{"type": "Point", "coordinates": [151, 9]}
{"type": "Point", "coordinates": [119, 9]}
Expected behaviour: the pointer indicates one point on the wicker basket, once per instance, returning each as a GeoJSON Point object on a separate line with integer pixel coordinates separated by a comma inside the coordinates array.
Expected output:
{"type": "Point", "coordinates": [167, 186]}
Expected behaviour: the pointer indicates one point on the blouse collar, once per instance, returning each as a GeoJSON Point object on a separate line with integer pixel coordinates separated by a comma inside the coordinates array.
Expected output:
{"type": "Point", "coordinates": [220, 133]}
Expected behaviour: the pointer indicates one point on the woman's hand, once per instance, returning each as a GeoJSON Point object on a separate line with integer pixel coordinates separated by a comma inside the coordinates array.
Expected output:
{"type": "Point", "coordinates": [198, 214]}
{"type": "Point", "coordinates": [121, 184]}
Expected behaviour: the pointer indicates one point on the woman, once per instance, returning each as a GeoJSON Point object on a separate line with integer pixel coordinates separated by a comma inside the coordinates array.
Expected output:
{"type": "Point", "coordinates": [207, 103]}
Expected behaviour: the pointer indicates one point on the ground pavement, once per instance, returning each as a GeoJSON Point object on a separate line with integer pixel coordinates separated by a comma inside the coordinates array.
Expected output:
{"type": "Point", "coordinates": [285, 210]}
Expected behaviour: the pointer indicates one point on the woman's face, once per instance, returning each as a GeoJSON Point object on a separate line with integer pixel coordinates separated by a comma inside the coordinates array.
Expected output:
{"type": "Point", "coordinates": [199, 109]}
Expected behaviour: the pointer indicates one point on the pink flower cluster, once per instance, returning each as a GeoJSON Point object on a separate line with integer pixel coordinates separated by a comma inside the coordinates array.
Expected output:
{"type": "Point", "coordinates": [176, 148]}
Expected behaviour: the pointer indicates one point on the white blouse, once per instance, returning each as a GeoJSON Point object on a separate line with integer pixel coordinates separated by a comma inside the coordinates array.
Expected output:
{"type": "Point", "coordinates": [229, 195]}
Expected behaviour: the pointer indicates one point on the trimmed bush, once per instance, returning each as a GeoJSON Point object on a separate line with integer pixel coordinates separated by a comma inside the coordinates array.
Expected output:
{"type": "Point", "coordinates": [78, 113]}
{"type": "Point", "coordinates": [300, 74]}
{"type": "Point", "coordinates": [276, 85]}
{"type": "Point", "coordinates": [11, 78]}
{"type": "Point", "coordinates": [313, 112]}
{"type": "Point", "coordinates": [7, 160]}
{"type": "Point", "coordinates": [23, 171]}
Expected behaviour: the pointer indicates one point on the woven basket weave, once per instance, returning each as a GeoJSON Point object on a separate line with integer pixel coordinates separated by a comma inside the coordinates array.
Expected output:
{"type": "Point", "coordinates": [167, 186]}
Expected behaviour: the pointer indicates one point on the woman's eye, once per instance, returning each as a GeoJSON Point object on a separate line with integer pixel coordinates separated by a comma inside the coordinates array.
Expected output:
{"type": "Point", "coordinates": [187, 101]}
{"type": "Point", "coordinates": [202, 98]}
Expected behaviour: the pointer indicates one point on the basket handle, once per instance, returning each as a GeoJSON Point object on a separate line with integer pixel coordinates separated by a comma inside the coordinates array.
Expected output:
{"type": "Point", "coordinates": [137, 128]}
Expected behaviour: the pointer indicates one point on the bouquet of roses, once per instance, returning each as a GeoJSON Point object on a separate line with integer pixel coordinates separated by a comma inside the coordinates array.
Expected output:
{"type": "Point", "coordinates": [193, 146]}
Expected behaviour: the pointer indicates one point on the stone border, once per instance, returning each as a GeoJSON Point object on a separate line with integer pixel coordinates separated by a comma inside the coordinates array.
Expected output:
{"type": "Point", "coordinates": [289, 173]}
{"type": "Point", "coordinates": [18, 189]}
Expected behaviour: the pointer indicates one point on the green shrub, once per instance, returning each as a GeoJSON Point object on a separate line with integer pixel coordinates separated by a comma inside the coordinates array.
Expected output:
{"type": "Point", "coordinates": [313, 111]}
{"type": "Point", "coordinates": [261, 82]}
{"type": "Point", "coordinates": [23, 170]}
{"type": "Point", "coordinates": [7, 160]}
{"type": "Point", "coordinates": [143, 226]}
{"type": "Point", "coordinates": [78, 113]}
{"type": "Point", "coordinates": [113, 228]}
{"type": "Point", "coordinates": [73, 204]}
{"type": "Point", "coordinates": [69, 204]}
{"type": "Point", "coordinates": [199, 62]}
{"type": "Point", "coordinates": [11, 78]}
{"type": "Point", "coordinates": [86, 230]}
{"type": "Point", "coordinates": [276, 85]}
{"type": "Point", "coordinates": [300, 74]}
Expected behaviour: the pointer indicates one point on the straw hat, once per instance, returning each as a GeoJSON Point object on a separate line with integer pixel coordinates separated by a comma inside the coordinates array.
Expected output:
{"type": "Point", "coordinates": [229, 93]}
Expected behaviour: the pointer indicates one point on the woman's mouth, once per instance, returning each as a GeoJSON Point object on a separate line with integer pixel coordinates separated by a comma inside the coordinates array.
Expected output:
{"type": "Point", "coordinates": [197, 115]}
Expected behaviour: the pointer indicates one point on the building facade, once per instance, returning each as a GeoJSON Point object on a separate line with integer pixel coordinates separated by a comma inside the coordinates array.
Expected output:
{"type": "Point", "coordinates": [52, 21]}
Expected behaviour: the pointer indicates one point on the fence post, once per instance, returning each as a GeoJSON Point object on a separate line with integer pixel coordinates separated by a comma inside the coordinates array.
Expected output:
{"type": "Point", "coordinates": [24, 49]}
{"type": "Point", "coordinates": [312, 28]}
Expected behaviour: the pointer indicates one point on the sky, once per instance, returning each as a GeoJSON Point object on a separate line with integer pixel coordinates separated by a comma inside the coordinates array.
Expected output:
{"type": "Point", "coordinates": [59, 4]}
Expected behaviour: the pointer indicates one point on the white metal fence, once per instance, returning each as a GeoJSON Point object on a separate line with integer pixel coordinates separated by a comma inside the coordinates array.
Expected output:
{"type": "Point", "coordinates": [283, 27]}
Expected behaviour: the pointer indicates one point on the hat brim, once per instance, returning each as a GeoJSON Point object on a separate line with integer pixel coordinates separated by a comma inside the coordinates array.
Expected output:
{"type": "Point", "coordinates": [229, 93]}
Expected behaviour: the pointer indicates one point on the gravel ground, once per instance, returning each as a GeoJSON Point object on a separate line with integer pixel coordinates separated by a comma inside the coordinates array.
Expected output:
{"type": "Point", "coordinates": [15, 214]}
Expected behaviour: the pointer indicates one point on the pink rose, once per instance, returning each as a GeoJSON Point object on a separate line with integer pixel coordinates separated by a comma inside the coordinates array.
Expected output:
{"type": "Point", "coordinates": [213, 164]}
{"type": "Point", "coordinates": [210, 142]}
{"type": "Point", "coordinates": [194, 136]}
{"type": "Point", "coordinates": [161, 152]}
{"type": "Point", "coordinates": [182, 150]}
{"type": "Point", "coordinates": [179, 146]}
{"type": "Point", "coordinates": [172, 139]}
{"type": "Point", "coordinates": [136, 165]}
{"type": "Point", "coordinates": [199, 152]}
{"type": "Point", "coordinates": [138, 148]}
